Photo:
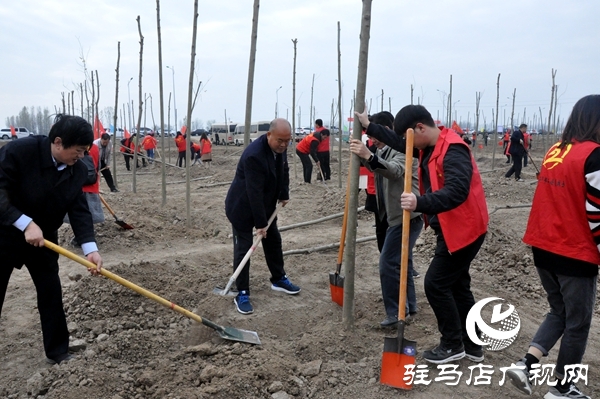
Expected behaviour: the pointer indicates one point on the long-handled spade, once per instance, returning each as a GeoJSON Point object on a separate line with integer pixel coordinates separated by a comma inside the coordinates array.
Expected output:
{"type": "Point", "coordinates": [238, 270]}
{"type": "Point", "coordinates": [230, 333]}
{"type": "Point", "coordinates": [336, 282]}
{"type": "Point", "coordinates": [537, 171]}
{"type": "Point", "coordinates": [399, 352]}
{"type": "Point", "coordinates": [118, 221]}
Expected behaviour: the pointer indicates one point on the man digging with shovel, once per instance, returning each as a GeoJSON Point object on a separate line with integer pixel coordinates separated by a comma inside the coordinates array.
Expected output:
{"type": "Point", "coordinates": [261, 180]}
{"type": "Point", "coordinates": [453, 202]}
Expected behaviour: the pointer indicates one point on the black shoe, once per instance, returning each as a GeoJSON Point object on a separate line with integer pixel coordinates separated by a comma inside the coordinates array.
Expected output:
{"type": "Point", "coordinates": [114, 190]}
{"type": "Point", "coordinates": [440, 354]}
{"type": "Point", "coordinates": [389, 321]}
{"type": "Point", "coordinates": [474, 353]}
{"type": "Point", "coordinates": [60, 359]}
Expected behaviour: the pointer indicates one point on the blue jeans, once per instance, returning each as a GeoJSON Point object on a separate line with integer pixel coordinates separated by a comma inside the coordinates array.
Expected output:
{"type": "Point", "coordinates": [389, 268]}
{"type": "Point", "coordinates": [150, 154]}
{"type": "Point", "coordinates": [571, 301]}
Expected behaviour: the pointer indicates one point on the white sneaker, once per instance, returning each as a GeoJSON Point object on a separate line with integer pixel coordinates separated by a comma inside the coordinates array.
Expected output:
{"type": "Point", "coordinates": [519, 376]}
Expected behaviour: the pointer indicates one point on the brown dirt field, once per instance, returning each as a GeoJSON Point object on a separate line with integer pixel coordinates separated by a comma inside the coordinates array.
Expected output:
{"type": "Point", "coordinates": [135, 348]}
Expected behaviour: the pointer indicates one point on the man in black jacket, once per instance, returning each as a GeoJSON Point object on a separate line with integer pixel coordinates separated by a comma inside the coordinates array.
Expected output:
{"type": "Point", "coordinates": [517, 151]}
{"type": "Point", "coordinates": [40, 181]}
{"type": "Point", "coordinates": [261, 180]}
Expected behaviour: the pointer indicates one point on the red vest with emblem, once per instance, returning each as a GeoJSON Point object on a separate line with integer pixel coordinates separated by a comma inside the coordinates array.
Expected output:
{"type": "Point", "coordinates": [558, 220]}
{"type": "Point", "coordinates": [304, 145]}
{"type": "Point", "coordinates": [462, 225]}
{"type": "Point", "coordinates": [324, 144]}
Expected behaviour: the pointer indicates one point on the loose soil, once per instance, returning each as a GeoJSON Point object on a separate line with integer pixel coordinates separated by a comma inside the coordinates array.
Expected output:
{"type": "Point", "coordinates": [131, 347]}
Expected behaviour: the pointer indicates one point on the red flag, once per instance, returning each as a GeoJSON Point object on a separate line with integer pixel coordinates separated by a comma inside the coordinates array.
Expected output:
{"type": "Point", "coordinates": [457, 128]}
{"type": "Point", "coordinates": [13, 132]}
{"type": "Point", "coordinates": [183, 129]}
{"type": "Point", "coordinates": [126, 133]}
{"type": "Point", "coordinates": [98, 128]}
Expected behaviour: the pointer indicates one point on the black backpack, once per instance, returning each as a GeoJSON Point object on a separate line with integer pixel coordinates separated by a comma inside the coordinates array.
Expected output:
{"type": "Point", "coordinates": [92, 172]}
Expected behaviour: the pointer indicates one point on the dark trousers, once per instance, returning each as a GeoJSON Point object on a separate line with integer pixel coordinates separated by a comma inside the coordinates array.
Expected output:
{"type": "Point", "coordinates": [42, 265]}
{"type": "Point", "coordinates": [306, 165]}
{"type": "Point", "coordinates": [448, 290]}
{"type": "Point", "coordinates": [242, 242]}
{"type": "Point", "coordinates": [127, 159]}
{"type": "Point", "coordinates": [389, 268]}
{"type": "Point", "coordinates": [325, 167]}
{"type": "Point", "coordinates": [525, 157]}
{"type": "Point", "coordinates": [516, 166]}
{"type": "Point", "coordinates": [381, 227]}
{"type": "Point", "coordinates": [107, 175]}
{"type": "Point", "coordinates": [571, 301]}
{"type": "Point", "coordinates": [181, 161]}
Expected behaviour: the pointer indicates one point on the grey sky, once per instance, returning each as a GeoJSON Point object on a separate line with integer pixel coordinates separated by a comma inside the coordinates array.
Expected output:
{"type": "Point", "coordinates": [419, 43]}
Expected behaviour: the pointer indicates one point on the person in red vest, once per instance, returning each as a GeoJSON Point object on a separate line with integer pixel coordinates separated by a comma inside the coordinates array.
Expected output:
{"type": "Point", "coordinates": [205, 150]}
{"type": "Point", "coordinates": [149, 145]}
{"type": "Point", "coordinates": [127, 148]}
{"type": "Point", "coordinates": [13, 132]}
{"type": "Point", "coordinates": [180, 142]}
{"type": "Point", "coordinates": [306, 149]}
{"type": "Point", "coordinates": [195, 149]}
{"type": "Point", "coordinates": [506, 144]}
{"type": "Point", "coordinates": [323, 150]}
{"type": "Point", "coordinates": [562, 231]}
{"type": "Point", "coordinates": [453, 203]}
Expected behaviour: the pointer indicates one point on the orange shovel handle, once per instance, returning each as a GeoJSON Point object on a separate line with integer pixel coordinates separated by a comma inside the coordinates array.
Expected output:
{"type": "Point", "coordinates": [405, 225]}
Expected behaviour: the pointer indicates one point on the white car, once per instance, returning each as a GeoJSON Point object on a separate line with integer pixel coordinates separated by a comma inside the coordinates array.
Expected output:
{"type": "Point", "coordinates": [5, 134]}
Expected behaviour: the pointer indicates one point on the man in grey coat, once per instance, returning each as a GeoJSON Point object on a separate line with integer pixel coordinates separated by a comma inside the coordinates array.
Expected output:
{"type": "Point", "coordinates": [389, 168]}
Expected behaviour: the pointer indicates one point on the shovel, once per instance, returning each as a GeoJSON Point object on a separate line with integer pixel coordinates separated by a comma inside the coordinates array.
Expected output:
{"type": "Point", "coordinates": [537, 171]}
{"type": "Point", "coordinates": [117, 220]}
{"type": "Point", "coordinates": [230, 333]}
{"type": "Point", "coordinates": [336, 282]}
{"type": "Point", "coordinates": [399, 352]}
{"type": "Point", "coordinates": [238, 270]}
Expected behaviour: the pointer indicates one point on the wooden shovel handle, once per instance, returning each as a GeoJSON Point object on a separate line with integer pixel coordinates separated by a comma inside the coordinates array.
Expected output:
{"type": "Point", "coordinates": [405, 225]}
{"type": "Point", "coordinates": [344, 222]}
{"type": "Point", "coordinates": [106, 205]}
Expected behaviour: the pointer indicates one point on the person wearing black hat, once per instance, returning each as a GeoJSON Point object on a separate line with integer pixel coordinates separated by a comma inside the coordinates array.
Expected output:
{"type": "Point", "coordinates": [517, 151]}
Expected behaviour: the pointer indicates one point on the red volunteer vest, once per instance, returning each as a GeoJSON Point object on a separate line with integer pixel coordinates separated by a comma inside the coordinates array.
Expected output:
{"type": "Point", "coordinates": [304, 145]}
{"type": "Point", "coordinates": [558, 219]}
{"type": "Point", "coordinates": [462, 225]}
{"type": "Point", "coordinates": [206, 146]}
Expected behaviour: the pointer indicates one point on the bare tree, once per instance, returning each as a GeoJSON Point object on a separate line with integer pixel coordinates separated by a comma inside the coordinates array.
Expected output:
{"type": "Point", "coordinates": [450, 104]}
{"type": "Point", "coordinates": [97, 101]}
{"type": "Point", "coordinates": [312, 115]}
{"type": "Point", "coordinates": [251, 63]}
{"type": "Point", "coordinates": [496, 121]}
{"type": "Point", "coordinates": [116, 111]}
{"type": "Point", "coordinates": [63, 102]}
{"type": "Point", "coordinates": [169, 125]}
{"type": "Point", "coordinates": [339, 48]}
{"type": "Point", "coordinates": [512, 113]}
{"type": "Point", "coordinates": [139, 121]}
{"type": "Point", "coordinates": [162, 109]}
{"type": "Point", "coordinates": [361, 84]}
{"type": "Point", "coordinates": [189, 117]}
{"type": "Point", "coordinates": [477, 101]}
{"type": "Point", "coordinates": [551, 105]}
{"type": "Point", "coordinates": [295, 41]}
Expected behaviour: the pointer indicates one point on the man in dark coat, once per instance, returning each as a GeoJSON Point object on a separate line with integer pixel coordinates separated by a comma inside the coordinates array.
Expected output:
{"type": "Point", "coordinates": [517, 151]}
{"type": "Point", "coordinates": [41, 180]}
{"type": "Point", "coordinates": [261, 180]}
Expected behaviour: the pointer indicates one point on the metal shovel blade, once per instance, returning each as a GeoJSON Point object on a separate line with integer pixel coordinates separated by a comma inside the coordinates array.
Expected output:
{"type": "Point", "coordinates": [398, 353]}
{"type": "Point", "coordinates": [336, 286]}
{"type": "Point", "coordinates": [236, 334]}
{"type": "Point", "coordinates": [123, 224]}
{"type": "Point", "coordinates": [221, 291]}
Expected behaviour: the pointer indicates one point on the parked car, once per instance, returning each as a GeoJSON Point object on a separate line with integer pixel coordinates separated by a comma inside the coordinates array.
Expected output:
{"type": "Point", "coordinates": [145, 130]}
{"type": "Point", "coordinates": [5, 133]}
{"type": "Point", "coordinates": [198, 132]}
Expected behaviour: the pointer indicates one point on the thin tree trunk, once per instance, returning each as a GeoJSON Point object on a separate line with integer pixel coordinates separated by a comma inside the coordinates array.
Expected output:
{"type": "Point", "coordinates": [97, 99]}
{"type": "Point", "coordinates": [63, 102]}
{"type": "Point", "coordinates": [512, 113]}
{"type": "Point", "coordinates": [331, 116]}
{"type": "Point", "coordinates": [477, 100]}
{"type": "Point", "coordinates": [340, 126]}
{"type": "Point", "coordinates": [189, 118]}
{"type": "Point", "coordinates": [312, 88]}
{"type": "Point", "coordinates": [350, 254]}
{"type": "Point", "coordinates": [295, 41]}
{"type": "Point", "coordinates": [139, 122]}
{"type": "Point", "coordinates": [381, 100]}
{"type": "Point", "coordinates": [551, 105]}
{"type": "Point", "coordinates": [450, 104]}
{"type": "Point", "coordinates": [251, 63]}
{"type": "Point", "coordinates": [496, 121]}
{"type": "Point", "coordinates": [91, 120]}
{"type": "Point", "coordinates": [114, 163]}
{"type": "Point", "coordinates": [73, 102]}
{"type": "Point", "coordinates": [162, 108]}
{"type": "Point", "coordinates": [81, 89]}
{"type": "Point", "coordinates": [169, 125]}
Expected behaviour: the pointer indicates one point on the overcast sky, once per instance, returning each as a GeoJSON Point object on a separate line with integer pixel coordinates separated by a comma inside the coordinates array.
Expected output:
{"type": "Point", "coordinates": [418, 42]}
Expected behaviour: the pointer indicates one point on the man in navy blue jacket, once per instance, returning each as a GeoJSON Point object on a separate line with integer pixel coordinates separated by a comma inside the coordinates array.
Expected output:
{"type": "Point", "coordinates": [261, 180]}
{"type": "Point", "coordinates": [40, 181]}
